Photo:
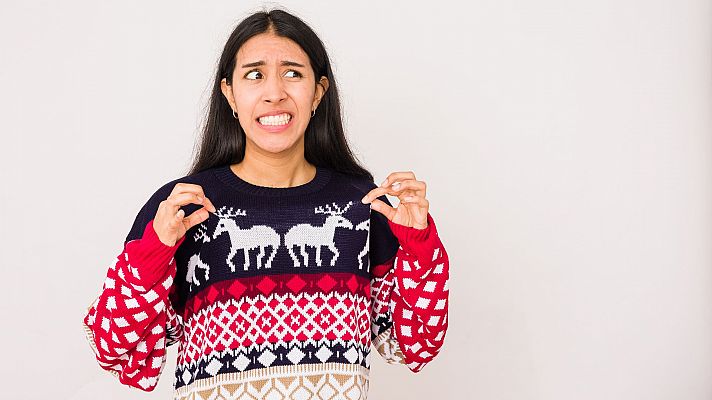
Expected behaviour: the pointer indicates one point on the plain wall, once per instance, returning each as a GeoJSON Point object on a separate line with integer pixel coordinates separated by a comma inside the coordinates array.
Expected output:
{"type": "Point", "coordinates": [566, 147]}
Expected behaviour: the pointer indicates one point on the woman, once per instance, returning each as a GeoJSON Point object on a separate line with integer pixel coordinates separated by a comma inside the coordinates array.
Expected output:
{"type": "Point", "coordinates": [265, 263]}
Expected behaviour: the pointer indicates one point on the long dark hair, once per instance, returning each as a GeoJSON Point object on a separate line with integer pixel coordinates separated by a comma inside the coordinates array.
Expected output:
{"type": "Point", "coordinates": [223, 140]}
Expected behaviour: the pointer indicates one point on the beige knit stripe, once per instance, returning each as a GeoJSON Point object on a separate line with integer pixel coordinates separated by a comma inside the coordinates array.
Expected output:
{"type": "Point", "coordinates": [279, 371]}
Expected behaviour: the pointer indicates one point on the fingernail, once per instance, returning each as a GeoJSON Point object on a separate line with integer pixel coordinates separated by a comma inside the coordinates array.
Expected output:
{"type": "Point", "coordinates": [364, 199]}
{"type": "Point", "coordinates": [396, 185]}
{"type": "Point", "coordinates": [384, 182]}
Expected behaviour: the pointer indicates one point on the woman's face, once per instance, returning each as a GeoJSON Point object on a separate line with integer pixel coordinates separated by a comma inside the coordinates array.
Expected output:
{"type": "Point", "coordinates": [273, 75]}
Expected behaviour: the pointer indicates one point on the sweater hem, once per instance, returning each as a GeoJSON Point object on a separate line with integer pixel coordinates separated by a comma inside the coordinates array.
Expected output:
{"type": "Point", "coordinates": [348, 381]}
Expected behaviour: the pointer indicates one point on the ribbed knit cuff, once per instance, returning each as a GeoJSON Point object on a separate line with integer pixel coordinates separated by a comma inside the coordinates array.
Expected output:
{"type": "Point", "coordinates": [418, 242]}
{"type": "Point", "coordinates": [150, 256]}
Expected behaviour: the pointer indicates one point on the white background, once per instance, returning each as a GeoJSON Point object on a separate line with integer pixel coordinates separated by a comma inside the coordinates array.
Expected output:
{"type": "Point", "coordinates": [566, 147]}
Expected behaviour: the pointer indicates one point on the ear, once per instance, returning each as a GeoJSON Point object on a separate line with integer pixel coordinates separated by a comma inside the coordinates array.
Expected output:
{"type": "Point", "coordinates": [227, 92]}
{"type": "Point", "coordinates": [321, 88]}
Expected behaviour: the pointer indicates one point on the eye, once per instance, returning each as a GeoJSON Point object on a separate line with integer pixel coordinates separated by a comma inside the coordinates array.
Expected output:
{"type": "Point", "coordinates": [254, 70]}
{"type": "Point", "coordinates": [297, 73]}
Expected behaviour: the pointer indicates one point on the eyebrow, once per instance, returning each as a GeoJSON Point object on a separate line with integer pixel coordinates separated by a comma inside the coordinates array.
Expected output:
{"type": "Point", "coordinates": [283, 63]}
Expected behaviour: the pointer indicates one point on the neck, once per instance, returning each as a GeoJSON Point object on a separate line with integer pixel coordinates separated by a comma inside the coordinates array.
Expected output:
{"type": "Point", "coordinates": [271, 171]}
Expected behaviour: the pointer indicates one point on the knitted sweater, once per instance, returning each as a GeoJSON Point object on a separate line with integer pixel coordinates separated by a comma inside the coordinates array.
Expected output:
{"type": "Point", "coordinates": [278, 295]}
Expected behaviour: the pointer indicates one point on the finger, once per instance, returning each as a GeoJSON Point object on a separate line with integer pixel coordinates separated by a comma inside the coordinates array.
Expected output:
{"type": "Point", "coordinates": [418, 207]}
{"type": "Point", "coordinates": [195, 218]}
{"type": "Point", "coordinates": [417, 200]}
{"type": "Point", "coordinates": [383, 208]}
{"type": "Point", "coordinates": [177, 200]}
{"type": "Point", "coordinates": [411, 185]}
{"type": "Point", "coordinates": [181, 187]}
{"type": "Point", "coordinates": [397, 189]}
{"type": "Point", "coordinates": [177, 219]}
{"type": "Point", "coordinates": [406, 193]}
{"type": "Point", "coordinates": [209, 205]}
{"type": "Point", "coordinates": [377, 192]}
{"type": "Point", "coordinates": [394, 176]}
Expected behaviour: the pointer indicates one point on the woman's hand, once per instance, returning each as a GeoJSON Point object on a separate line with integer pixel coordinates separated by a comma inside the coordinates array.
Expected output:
{"type": "Point", "coordinates": [170, 222]}
{"type": "Point", "coordinates": [413, 208]}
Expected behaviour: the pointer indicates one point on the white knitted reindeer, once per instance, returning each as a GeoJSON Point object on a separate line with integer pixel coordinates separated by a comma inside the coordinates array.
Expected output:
{"type": "Point", "coordinates": [303, 235]}
{"type": "Point", "coordinates": [258, 236]}
{"type": "Point", "coordinates": [363, 226]}
{"type": "Point", "coordinates": [195, 262]}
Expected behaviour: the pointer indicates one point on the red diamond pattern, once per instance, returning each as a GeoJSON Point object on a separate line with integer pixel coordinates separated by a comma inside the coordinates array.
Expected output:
{"type": "Point", "coordinates": [326, 283]}
{"type": "Point", "coordinates": [266, 285]}
{"type": "Point", "coordinates": [237, 288]}
{"type": "Point", "coordinates": [296, 284]}
{"type": "Point", "coordinates": [352, 284]}
{"type": "Point", "coordinates": [212, 294]}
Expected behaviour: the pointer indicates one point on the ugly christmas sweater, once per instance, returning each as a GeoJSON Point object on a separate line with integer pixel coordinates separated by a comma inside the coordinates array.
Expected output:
{"type": "Point", "coordinates": [280, 294]}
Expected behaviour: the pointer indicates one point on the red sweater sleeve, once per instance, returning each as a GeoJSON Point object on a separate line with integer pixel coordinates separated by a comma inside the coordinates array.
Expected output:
{"type": "Point", "coordinates": [130, 324]}
{"type": "Point", "coordinates": [410, 298]}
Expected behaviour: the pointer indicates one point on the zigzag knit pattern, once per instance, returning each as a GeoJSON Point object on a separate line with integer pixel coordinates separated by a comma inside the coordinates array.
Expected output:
{"type": "Point", "coordinates": [281, 294]}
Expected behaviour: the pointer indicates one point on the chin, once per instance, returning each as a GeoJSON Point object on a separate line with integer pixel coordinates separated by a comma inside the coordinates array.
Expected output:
{"type": "Point", "coordinates": [275, 144]}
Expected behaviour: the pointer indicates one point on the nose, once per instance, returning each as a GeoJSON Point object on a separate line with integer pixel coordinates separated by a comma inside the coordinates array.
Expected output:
{"type": "Point", "coordinates": [274, 89]}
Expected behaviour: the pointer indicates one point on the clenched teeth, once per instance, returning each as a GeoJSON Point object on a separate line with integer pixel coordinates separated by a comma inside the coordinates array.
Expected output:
{"type": "Point", "coordinates": [281, 119]}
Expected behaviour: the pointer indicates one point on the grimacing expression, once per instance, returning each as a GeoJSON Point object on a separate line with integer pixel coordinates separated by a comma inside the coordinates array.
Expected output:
{"type": "Point", "coordinates": [273, 73]}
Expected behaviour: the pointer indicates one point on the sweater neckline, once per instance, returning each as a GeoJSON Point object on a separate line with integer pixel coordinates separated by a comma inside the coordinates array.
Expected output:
{"type": "Point", "coordinates": [226, 175]}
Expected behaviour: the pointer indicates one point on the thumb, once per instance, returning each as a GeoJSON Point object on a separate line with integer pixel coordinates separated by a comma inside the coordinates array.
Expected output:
{"type": "Point", "coordinates": [383, 208]}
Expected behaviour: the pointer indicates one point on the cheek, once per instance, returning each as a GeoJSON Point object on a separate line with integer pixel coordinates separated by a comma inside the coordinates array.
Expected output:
{"type": "Point", "coordinates": [302, 94]}
{"type": "Point", "coordinates": [243, 99]}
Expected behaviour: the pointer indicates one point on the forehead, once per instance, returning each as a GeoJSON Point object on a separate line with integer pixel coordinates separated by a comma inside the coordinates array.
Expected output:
{"type": "Point", "coordinates": [271, 49]}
